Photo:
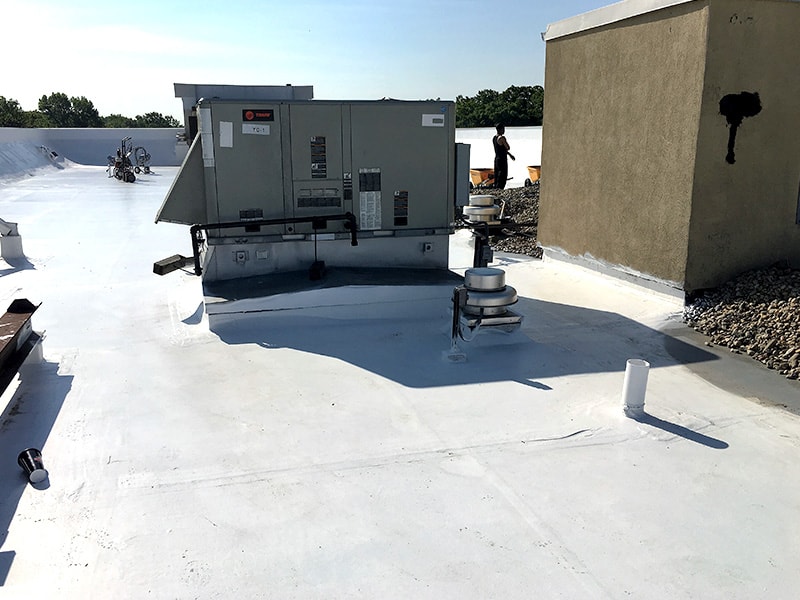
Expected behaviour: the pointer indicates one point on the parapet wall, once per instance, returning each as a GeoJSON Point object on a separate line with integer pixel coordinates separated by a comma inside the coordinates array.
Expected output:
{"type": "Point", "coordinates": [21, 148]}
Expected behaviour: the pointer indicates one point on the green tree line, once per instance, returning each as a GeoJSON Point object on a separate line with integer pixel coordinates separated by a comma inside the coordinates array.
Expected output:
{"type": "Point", "coordinates": [517, 106]}
{"type": "Point", "coordinates": [59, 110]}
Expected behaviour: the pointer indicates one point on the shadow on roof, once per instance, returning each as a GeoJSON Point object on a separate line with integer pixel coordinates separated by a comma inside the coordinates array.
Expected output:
{"type": "Point", "coordinates": [557, 340]}
{"type": "Point", "coordinates": [14, 265]}
{"type": "Point", "coordinates": [26, 423]}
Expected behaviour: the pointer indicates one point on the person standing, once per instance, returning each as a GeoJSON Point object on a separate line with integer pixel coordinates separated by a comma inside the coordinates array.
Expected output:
{"type": "Point", "coordinates": [501, 154]}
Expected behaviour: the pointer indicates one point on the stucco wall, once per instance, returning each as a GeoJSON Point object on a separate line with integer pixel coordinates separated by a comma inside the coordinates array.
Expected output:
{"type": "Point", "coordinates": [622, 110]}
{"type": "Point", "coordinates": [744, 214]}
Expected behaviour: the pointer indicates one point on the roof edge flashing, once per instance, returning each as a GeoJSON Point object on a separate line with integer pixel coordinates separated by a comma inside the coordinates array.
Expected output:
{"type": "Point", "coordinates": [617, 272]}
{"type": "Point", "coordinates": [606, 16]}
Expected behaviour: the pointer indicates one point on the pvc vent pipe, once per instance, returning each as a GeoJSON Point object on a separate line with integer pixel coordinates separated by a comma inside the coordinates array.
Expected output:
{"type": "Point", "coordinates": [635, 385]}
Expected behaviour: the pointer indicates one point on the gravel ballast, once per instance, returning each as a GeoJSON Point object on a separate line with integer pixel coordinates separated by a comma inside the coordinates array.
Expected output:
{"type": "Point", "coordinates": [757, 313]}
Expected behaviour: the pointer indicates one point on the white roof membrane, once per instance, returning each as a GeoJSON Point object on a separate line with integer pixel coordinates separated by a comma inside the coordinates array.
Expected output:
{"type": "Point", "coordinates": [326, 448]}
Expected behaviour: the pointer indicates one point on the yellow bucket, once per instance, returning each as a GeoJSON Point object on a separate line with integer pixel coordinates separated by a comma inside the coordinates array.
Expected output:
{"type": "Point", "coordinates": [534, 173]}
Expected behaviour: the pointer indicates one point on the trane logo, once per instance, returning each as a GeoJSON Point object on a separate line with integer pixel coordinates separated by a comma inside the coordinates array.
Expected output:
{"type": "Point", "coordinates": [252, 114]}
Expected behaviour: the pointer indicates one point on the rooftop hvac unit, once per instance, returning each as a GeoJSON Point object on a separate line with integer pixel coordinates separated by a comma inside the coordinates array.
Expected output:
{"type": "Point", "coordinates": [280, 186]}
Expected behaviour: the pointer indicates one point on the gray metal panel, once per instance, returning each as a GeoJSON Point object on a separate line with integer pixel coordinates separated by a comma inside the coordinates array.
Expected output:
{"type": "Point", "coordinates": [412, 143]}
{"type": "Point", "coordinates": [191, 93]}
{"type": "Point", "coordinates": [184, 200]}
{"type": "Point", "coordinates": [286, 142]}
{"type": "Point", "coordinates": [248, 162]}
{"type": "Point", "coordinates": [462, 174]}
{"type": "Point", "coordinates": [257, 93]}
{"type": "Point", "coordinates": [317, 164]}
{"type": "Point", "coordinates": [350, 181]}
{"type": "Point", "coordinates": [255, 169]}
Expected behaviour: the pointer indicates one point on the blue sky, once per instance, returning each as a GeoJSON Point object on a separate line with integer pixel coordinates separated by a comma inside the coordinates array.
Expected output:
{"type": "Point", "coordinates": [125, 56]}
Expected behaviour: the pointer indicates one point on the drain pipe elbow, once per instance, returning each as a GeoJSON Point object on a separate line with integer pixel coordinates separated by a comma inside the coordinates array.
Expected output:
{"type": "Point", "coordinates": [353, 227]}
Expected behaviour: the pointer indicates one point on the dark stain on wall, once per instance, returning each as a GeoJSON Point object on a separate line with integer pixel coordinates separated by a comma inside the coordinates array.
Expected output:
{"type": "Point", "coordinates": [735, 107]}
{"type": "Point", "coordinates": [797, 217]}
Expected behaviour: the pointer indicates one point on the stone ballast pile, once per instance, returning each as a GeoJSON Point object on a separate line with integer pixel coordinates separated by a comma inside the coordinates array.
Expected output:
{"type": "Point", "coordinates": [757, 313]}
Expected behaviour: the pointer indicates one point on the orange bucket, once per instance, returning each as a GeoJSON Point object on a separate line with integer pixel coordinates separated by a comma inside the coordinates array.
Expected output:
{"type": "Point", "coordinates": [481, 176]}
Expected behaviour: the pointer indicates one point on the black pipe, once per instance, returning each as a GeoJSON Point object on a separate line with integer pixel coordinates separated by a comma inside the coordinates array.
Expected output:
{"type": "Point", "coordinates": [481, 241]}
{"type": "Point", "coordinates": [194, 230]}
{"type": "Point", "coordinates": [459, 300]}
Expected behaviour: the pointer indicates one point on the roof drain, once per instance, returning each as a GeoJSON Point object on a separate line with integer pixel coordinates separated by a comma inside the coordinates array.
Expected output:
{"type": "Point", "coordinates": [481, 304]}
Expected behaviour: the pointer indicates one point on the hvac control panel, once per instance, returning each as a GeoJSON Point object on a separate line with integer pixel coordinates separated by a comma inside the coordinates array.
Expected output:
{"type": "Point", "coordinates": [390, 163]}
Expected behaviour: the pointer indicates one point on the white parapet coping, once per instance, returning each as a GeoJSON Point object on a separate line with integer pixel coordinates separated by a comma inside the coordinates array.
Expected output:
{"type": "Point", "coordinates": [606, 15]}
